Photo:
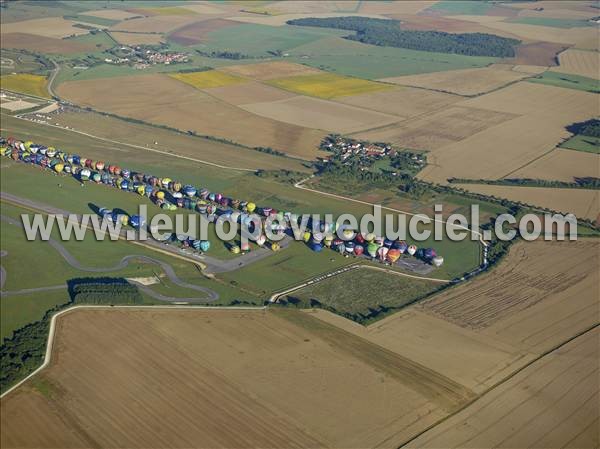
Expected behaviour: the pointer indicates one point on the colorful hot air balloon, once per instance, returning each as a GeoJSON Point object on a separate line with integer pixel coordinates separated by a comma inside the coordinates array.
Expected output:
{"type": "Point", "coordinates": [429, 253]}
{"type": "Point", "coordinates": [412, 249]}
{"type": "Point", "coordinates": [350, 247]}
{"type": "Point", "coordinates": [306, 237]}
{"type": "Point", "coordinates": [393, 255]}
{"type": "Point", "coordinates": [99, 165]}
{"type": "Point", "coordinates": [85, 174]}
{"type": "Point", "coordinates": [96, 177]}
{"type": "Point", "coordinates": [275, 246]}
{"type": "Point", "coordinates": [348, 234]}
{"type": "Point", "coordinates": [234, 249]}
{"type": "Point", "coordinates": [372, 249]}
{"type": "Point", "coordinates": [245, 247]}
{"type": "Point", "coordinates": [176, 186]}
{"type": "Point", "coordinates": [204, 245]}
{"type": "Point", "coordinates": [59, 168]}
{"type": "Point", "coordinates": [402, 246]}
{"type": "Point", "coordinates": [189, 191]}
{"type": "Point", "coordinates": [359, 250]}
{"type": "Point", "coordinates": [360, 239]}
{"type": "Point", "coordinates": [438, 261]}
{"type": "Point", "coordinates": [160, 195]}
{"type": "Point", "coordinates": [382, 253]}
{"type": "Point", "coordinates": [316, 247]}
{"type": "Point", "coordinates": [136, 221]}
{"type": "Point", "coordinates": [260, 241]}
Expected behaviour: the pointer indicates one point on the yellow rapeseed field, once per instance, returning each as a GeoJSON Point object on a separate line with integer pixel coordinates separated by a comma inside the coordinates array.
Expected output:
{"type": "Point", "coordinates": [25, 83]}
{"type": "Point", "coordinates": [209, 78]}
{"type": "Point", "coordinates": [328, 85]}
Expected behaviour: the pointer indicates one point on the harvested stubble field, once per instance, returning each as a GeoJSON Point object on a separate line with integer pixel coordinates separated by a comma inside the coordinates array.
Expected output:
{"type": "Point", "coordinates": [561, 165]}
{"type": "Point", "coordinates": [320, 114]}
{"type": "Point", "coordinates": [194, 110]}
{"type": "Point", "coordinates": [248, 92]}
{"type": "Point", "coordinates": [42, 44]}
{"type": "Point", "coordinates": [156, 24]}
{"type": "Point", "coordinates": [197, 32]}
{"type": "Point", "coordinates": [137, 38]}
{"type": "Point", "coordinates": [54, 27]}
{"type": "Point", "coordinates": [328, 85]}
{"type": "Point", "coordinates": [439, 129]}
{"type": "Point", "coordinates": [551, 404]}
{"type": "Point", "coordinates": [540, 115]}
{"type": "Point", "coordinates": [404, 102]}
{"type": "Point", "coordinates": [581, 202]}
{"type": "Point", "coordinates": [207, 79]}
{"type": "Point", "coordinates": [111, 14]}
{"type": "Point", "coordinates": [236, 379]}
{"type": "Point", "coordinates": [466, 82]}
{"type": "Point", "coordinates": [270, 70]}
{"type": "Point", "coordinates": [579, 62]}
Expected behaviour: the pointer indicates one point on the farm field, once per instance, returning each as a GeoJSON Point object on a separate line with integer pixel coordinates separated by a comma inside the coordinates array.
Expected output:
{"type": "Point", "coordinates": [581, 202]}
{"type": "Point", "coordinates": [53, 27]}
{"type": "Point", "coordinates": [137, 38]}
{"type": "Point", "coordinates": [156, 24]}
{"type": "Point", "coordinates": [248, 92]}
{"type": "Point", "coordinates": [563, 165]}
{"type": "Point", "coordinates": [552, 403]}
{"type": "Point", "coordinates": [453, 81]}
{"type": "Point", "coordinates": [268, 70]}
{"type": "Point", "coordinates": [451, 125]}
{"type": "Point", "coordinates": [197, 111]}
{"type": "Point", "coordinates": [238, 354]}
{"type": "Point", "coordinates": [586, 144]}
{"type": "Point", "coordinates": [320, 114]}
{"type": "Point", "coordinates": [352, 292]}
{"type": "Point", "coordinates": [327, 85]}
{"type": "Point", "coordinates": [540, 115]}
{"type": "Point", "coordinates": [351, 58]}
{"type": "Point", "coordinates": [25, 83]}
{"type": "Point", "coordinates": [579, 62]}
{"type": "Point", "coordinates": [111, 14]}
{"type": "Point", "coordinates": [198, 32]}
{"type": "Point", "coordinates": [207, 79]}
{"type": "Point", "coordinates": [568, 81]}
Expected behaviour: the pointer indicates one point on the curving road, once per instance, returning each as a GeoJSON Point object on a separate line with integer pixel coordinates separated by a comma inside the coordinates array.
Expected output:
{"type": "Point", "coordinates": [210, 295]}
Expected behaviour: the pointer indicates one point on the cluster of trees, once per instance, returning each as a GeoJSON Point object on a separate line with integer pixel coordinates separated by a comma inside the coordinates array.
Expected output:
{"type": "Point", "coordinates": [103, 291]}
{"type": "Point", "coordinates": [579, 183]}
{"type": "Point", "coordinates": [590, 128]}
{"type": "Point", "coordinates": [224, 54]}
{"type": "Point", "coordinates": [285, 176]}
{"type": "Point", "coordinates": [269, 150]}
{"type": "Point", "coordinates": [384, 32]}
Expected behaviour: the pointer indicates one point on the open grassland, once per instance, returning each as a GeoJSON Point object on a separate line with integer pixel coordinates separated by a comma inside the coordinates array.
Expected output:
{"type": "Point", "coordinates": [257, 368]}
{"type": "Point", "coordinates": [561, 165]}
{"type": "Point", "coordinates": [581, 202]}
{"type": "Point", "coordinates": [25, 83]}
{"type": "Point", "coordinates": [586, 144]}
{"type": "Point", "coordinates": [327, 85]}
{"type": "Point", "coordinates": [193, 111]}
{"type": "Point", "coordinates": [320, 114]}
{"type": "Point", "coordinates": [169, 142]}
{"type": "Point", "coordinates": [268, 70]}
{"type": "Point", "coordinates": [569, 81]}
{"type": "Point", "coordinates": [579, 62]}
{"type": "Point", "coordinates": [438, 129]}
{"type": "Point", "coordinates": [53, 27]}
{"type": "Point", "coordinates": [540, 115]}
{"type": "Point", "coordinates": [467, 82]}
{"type": "Point", "coordinates": [351, 58]}
{"type": "Point", "coordinates": [404, 102]}
{"type": "Point", "coordinates": [460, 256]}
{"type": "Point", "coordinates": [552, 403]}
{"type": "Point", "coordinates": [362, 290]}
{"type": "Point", "coordinates": [207, 79]}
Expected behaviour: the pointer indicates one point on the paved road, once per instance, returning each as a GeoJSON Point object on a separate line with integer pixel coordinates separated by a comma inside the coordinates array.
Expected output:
{"type": "Point", "coordinates": [210, 295]}
{"type": "Point", "coordinates": [211, 265]}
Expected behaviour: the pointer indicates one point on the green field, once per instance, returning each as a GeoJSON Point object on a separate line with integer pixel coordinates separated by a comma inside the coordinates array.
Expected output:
{"type": "Point", "coordinates": [461, 7]}
{"type": "Point", "coordinates": [358, 292]}
{"type": "Point", "coordinates": [568, 81]}
{"type": "Point", "coordinates": [92, 19]}
{"type": "Point", "coordinates": [353, 58]}
{"type": "Point", "coordinates": [460, 256]}
{"type": "Point", "coordinates": [551, 22]}
{"type": "Point", "coordinates": [582, 143]}
{"type": "Point", "coordinates": [258, 40]}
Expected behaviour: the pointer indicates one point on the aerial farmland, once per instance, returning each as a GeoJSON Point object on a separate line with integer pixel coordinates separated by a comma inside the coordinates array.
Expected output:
{"type": "Point", "coordinates": [332, 224]}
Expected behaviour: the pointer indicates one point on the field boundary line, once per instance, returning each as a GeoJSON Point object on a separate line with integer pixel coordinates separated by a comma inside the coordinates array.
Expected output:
{"type": "Point", "coordinates": [52, 330]}
{"type": "Point", "coordinates": [153, 150]}
{"type": "Point", "coordinates": [501, 382]}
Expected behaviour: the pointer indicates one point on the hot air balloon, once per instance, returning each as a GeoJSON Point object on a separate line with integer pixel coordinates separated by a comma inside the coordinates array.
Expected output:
{"type": "Point", "coordinates": [350, 247]}
{"type": "Point", "coordinates": [141, 190]}
{"type": "Point", "coordinates": [328, 241]}
{"type": "Point", "coordinates": [429, 253]}
{"type": "Point", "coordinates": [402, 247]}
{"type": "Point", "coordinates": [125, 173]}
{"type": "Point", "coordinates": [136, 221]}
{"type": "Point", "coordinates": [318, 237]}
{"type": "Point", "coordinates": [99, 165]}
{"type": "Point", "coordinates": [2, 151]}
{"type": "Point", "coordinates": [176, 186]}
{"type": "Point", "coordinates": [234, 249]}
{"type": "Point", "coordinates": [382, 253]}
{"type": "Point", "coordinates": [388, 243]}
{"type": "Point", "coordinates": [316, 246]}
{"type": "Point", "coordinates": [189, 191]}
{"type": "Point", "coordinates": [438, 261]}
{"type": "Point", "coordinates": [204, 193]}
{"type": "Point", "coordinates": [165, 182]}
{"type": "Point", "coordinates": [261, 239]}
{"type": "Point", "coordinates": [369, 237]}
{"type": "Point", "coordinates": [124, 184]}
{"type": "Point", "coordinates": [393, 255]}
{"type": "Point", "coordinates": [96, 177]}
{"type": "Point", "coordinates": [412, 249]}
{"type": "Point", "coordinates": [359, 250]}
{"type": "Point", "coordinates": [86, 162]}
{"type": "Point", "coordinates": [68, 169]}
{"type": "Point", "coordinates": [340, 247]}
{"type": "Point", "coordinates": [85, 174]}
{"type": "Point", "coordinates": [266, 211]}
{"type": "Point", "coordinates": [160, 195]}
{"type": "Point", "coordinates": [51, 152]}
{"type": "Point", "coordinates": [245, 247]}
{"type": "Point", "coordinates": [124, 219]}
{"type": "Point", "coordinates": [306, 237]}
{"type": "Point", "coordinates": [275, 246]}
{"type": "Point", "coordinates": [360, 238]}
{"type": "Point", "coordinates": [348, 234]}
{"type": "Point", "coordinates": [372, 249]}
{"type": "Point", "coordinates": [204, 245]}
{"type": "Point", "coordinates": [117, 170]}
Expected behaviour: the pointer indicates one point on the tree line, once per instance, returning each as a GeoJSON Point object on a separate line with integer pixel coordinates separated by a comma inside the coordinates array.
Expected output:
{"type": "Point", "coordinates": [388, 33]}
{"type": "Point", "coordinates": [579, 183]}
{"type": "Point", "coordinates": [589, 128]}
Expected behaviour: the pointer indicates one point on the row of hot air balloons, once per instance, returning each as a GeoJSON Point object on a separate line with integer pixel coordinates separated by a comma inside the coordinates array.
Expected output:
{"type": "Point", "coordinates": [170, 195]}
